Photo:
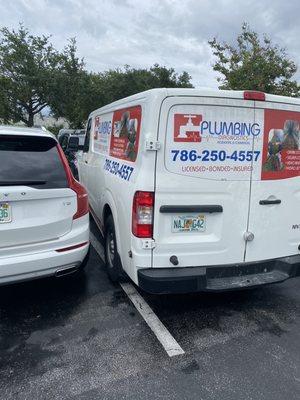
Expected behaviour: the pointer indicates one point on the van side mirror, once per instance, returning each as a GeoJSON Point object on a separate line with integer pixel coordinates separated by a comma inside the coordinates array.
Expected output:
{"type": "Point", "coordinates": [73, 144]}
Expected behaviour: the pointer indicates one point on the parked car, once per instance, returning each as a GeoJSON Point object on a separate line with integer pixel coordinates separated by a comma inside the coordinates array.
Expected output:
{"type": "Point", "coordinates": [72, 151]}
{"type": "Point", "coordinates": [63, 132]}
{"type": "Point", "coordinates": [44, 220]}
{"type": "Point", "coordinates": [181, 184]}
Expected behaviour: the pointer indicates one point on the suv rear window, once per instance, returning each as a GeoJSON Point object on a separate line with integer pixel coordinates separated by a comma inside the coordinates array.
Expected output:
{"type": "Point", "coordinates": [31, 161]}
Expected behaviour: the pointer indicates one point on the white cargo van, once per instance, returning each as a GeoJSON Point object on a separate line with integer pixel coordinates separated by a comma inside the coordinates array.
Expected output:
{"type": "Point", "coordinates": [196, 189]}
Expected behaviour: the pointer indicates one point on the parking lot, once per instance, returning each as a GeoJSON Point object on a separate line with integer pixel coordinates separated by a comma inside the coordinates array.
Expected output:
{"type": "Point", "coordinates": [82, 338]}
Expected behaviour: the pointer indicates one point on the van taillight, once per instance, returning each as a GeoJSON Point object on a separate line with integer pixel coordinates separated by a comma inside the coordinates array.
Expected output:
{"type": "Point", "coordinates": [82, 196]}
{"type": "Point", "coordinates": [142, 214]}
{"type": "Point", "coordinates": [254, 95]}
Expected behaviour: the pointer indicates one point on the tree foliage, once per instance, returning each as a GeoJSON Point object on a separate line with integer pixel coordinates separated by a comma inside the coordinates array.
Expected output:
{"type": "Point", "coordinates": [119, 83]}
{"type": "Point", "coordinates": [70, 85]}
{"type": "Point", "coordinates": [34, 75]}
{"type": "Point", "coordinates": [82, 92]}
{"type": "Point", "coordinates": [26, 67]}
{"type": "Point", "coordinates": [254, 63]}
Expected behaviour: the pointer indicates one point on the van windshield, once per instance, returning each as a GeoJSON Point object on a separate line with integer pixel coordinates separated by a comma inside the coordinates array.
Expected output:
{"type": "Point", "coordinates": [31, 161]}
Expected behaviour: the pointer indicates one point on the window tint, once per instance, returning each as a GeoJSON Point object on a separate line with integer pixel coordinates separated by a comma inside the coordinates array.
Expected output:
{"type": "Point", "coordinates": [86, 145]}
{"type": "Point", "coordinates": [32, 161]}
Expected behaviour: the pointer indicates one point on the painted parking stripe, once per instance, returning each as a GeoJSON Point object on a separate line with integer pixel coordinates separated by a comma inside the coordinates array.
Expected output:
{"type": "Point", "coordinates": [97, 246]}
{"type": "Point", "coordinates": [158, 328]}
{"type": "Point", "coordinates": [168, 342]}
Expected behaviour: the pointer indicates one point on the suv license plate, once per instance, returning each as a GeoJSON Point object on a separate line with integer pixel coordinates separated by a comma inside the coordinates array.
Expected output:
{"type": "Point", "coordinates": [189, 223]}
{"type": "Point", "coordinates": [5, 213]}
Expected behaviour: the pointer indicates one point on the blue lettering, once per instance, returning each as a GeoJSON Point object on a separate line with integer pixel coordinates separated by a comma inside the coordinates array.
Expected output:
{"type": "Point", "coordinates": [255, 129]}
{"type": "Point", "coordinates": [237, 129]}
{"type": "Point", "coordinates": [105, 127]}
{"type": "Point", "coordinates": [247, 129]}
{"type": "Point", "coordinates": [218, 132]}
{"type": "Point", "coordinates": [230, 128]}
{"type": "Point", "coordinates": [204, 126]}
{"type": "Point", "coordinates": [227, 129]}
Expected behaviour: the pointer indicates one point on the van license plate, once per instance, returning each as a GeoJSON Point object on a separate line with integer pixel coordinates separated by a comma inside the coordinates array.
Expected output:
{"type": "Point", "coordinates": [5, 213]}
{"type": "Point", "coordinates": [189, 223]}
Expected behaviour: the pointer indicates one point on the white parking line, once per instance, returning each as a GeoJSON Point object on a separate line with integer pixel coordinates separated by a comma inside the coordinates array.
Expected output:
{"type": "Point", "coordinates": [168, 342]}
{"type": "Point", "coordinates": [97, 246]}
{"type": "Point", "coordinates": [158, 328]}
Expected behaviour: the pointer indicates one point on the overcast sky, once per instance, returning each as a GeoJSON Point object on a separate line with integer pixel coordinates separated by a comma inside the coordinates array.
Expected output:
{"type": "Point", "coordinates": [174, 33]}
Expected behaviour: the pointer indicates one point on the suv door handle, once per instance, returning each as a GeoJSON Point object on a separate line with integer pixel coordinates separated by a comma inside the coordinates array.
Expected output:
{"type": "Point", "coordinates": [267, 202]}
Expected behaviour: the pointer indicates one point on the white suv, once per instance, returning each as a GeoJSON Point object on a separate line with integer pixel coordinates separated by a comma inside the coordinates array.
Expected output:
{"type": "Point", "coordinates": [44, 219]}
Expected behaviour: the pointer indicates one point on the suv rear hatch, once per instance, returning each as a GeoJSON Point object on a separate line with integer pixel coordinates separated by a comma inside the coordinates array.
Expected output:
{"type": "Point", "coordinates": [36, 203]}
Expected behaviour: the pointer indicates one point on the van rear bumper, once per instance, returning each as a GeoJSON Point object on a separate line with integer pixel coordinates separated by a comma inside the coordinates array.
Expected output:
{"type": "Point", "coordinates": [218, 278]}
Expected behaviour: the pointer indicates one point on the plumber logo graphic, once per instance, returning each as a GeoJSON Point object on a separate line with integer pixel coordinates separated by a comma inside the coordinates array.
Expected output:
{"type": "Point", "coordinates": [187, 127]}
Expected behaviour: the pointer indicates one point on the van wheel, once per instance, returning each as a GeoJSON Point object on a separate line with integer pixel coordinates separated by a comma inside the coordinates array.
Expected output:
{"type": "Point", "coordinates": [112, 258]}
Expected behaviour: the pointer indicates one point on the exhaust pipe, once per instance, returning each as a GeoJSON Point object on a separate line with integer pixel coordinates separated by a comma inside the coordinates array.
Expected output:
{"type": "Point", "coordinates": [66, 270]}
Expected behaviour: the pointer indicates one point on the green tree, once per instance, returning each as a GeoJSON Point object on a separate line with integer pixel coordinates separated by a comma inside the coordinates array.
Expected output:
{"type": "Point", "coordinates": [71, 87]}
{"type": "Point", "coordinates": [254, 63]}
{"type": "Point", "coordinates": [116, 84]}
{"type": "Point", "coordinates": [27, 64]}
{"type": "Point", "coordinates": [79, 92]}
{"type": "Point", "coordinates": [33, 75]}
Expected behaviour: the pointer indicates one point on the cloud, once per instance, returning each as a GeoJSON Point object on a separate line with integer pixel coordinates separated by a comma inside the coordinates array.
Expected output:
{"type": "Point", "coordinates": [140, 33]}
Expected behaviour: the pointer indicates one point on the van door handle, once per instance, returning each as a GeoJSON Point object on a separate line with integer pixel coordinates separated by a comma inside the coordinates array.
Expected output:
{"type": "Point", "coordinates": [86, 161]}
{"type": "Point", "coordinates": [267, 202]}
{"type": "Point", "coordinates": [191, 209]}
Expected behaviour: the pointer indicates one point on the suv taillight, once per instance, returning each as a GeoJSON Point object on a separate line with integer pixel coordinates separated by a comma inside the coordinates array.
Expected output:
{"type": "Point", "coordinates": [82, 196]}
{"type": "Point", "coordinates": [82, 199]}
{"type": "Point", "coordinates": [142, 214]}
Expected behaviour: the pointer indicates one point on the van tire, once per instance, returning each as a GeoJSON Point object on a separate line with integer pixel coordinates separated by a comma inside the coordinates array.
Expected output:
{"type": "Point", "coordinates": [112, 258]}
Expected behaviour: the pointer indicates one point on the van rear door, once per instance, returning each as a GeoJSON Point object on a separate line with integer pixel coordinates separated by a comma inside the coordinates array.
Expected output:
{"type": "Point", "coordinates": [203, 179]}
{"type": "Point", "coordinates": [275, 190]}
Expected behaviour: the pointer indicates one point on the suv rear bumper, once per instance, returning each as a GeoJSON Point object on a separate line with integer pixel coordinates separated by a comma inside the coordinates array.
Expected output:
{"type": "Point", "coordinates": [20, 263]}
{"type": "Point", "coordinates": [40, 265]}
{"type": "Point", "coordinates": [218, 278]}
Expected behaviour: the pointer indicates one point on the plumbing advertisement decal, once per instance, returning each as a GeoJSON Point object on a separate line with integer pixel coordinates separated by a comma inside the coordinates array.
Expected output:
{"type": "Point", "coordinates": [102, 133]}
{"type": "Point", "coordinates": [211, 142]}
{"type": "Point", "coordinates": [187, 128]}
{"type": "Point", "coordinates": [126, 126]}
{"type": "Point", "coordinates": [281, 153]}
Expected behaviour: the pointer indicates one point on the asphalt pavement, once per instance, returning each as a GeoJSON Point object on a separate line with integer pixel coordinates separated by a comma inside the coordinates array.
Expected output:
{"type": "Point", "coordinates": [81, 338]}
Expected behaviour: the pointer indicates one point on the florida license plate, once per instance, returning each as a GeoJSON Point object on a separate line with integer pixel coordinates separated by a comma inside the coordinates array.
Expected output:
{"type": "Point", "coordinates": [189, 223]}
{"type": "Point", "coordinates": [5, 213]}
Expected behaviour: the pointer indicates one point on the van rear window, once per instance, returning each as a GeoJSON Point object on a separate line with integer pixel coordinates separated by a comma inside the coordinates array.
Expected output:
{"type": "Point", "coordinates": [31, 161]}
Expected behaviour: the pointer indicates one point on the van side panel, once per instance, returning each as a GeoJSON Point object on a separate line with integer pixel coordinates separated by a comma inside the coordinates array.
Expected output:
{"type": "Point", "coordinates": [118, 167]}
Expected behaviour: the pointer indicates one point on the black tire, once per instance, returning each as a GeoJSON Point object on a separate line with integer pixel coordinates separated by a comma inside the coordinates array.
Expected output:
{"type": "Point", "coordinates": [112, 259]}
